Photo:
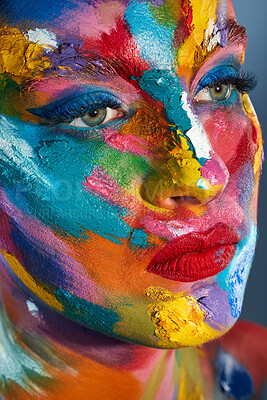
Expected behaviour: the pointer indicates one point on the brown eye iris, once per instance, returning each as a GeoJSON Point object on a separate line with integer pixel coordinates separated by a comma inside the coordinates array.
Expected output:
{"type": "Point", "coordinates": [220, 92]}
{"type": "Point", "coordinates": [95, 117]}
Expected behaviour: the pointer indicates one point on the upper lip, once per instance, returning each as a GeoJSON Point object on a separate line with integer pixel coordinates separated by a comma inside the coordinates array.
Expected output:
{"type": "Point", "coordinates": [194, 243]}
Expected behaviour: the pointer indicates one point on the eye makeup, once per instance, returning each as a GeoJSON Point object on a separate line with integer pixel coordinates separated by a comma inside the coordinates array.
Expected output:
{"type": "Point", "coordinates": [244, 82]}
{"type": "Point", "coordinates": [66, 110]}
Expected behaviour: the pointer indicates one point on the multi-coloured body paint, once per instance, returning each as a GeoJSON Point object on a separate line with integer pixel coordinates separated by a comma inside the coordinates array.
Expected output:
{"type": "Point", "coordinates": [129, 166]}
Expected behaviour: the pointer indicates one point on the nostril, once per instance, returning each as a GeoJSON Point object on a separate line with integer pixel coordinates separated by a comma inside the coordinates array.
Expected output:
{"type": "Point", "coordinates": [185, 199]}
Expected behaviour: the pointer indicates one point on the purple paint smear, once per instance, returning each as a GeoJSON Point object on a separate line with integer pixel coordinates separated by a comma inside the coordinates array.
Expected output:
{"type": "Point", "coordinates": [214, 302]}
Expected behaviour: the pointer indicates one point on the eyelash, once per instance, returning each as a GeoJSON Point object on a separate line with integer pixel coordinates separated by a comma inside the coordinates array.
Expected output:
{"type": "Point", "coordinates": [63, 113]}
{"type": "Point", "coordinates": [244, 82]}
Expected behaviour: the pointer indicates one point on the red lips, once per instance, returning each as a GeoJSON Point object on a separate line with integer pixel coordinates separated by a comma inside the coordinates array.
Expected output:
{"type": "Point", "coordinates": [196, 255]}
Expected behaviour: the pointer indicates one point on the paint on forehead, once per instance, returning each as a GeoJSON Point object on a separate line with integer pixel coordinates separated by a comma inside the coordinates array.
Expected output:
{"type": "Point", "coordinates": [18, 56]}
{"type": "Point", "coordinates": [40, 10]}
{"type": "Point", "coordinates": [43, 37]}
{"type": "Point", "coordinates": [154, 40]}
{"type": "Point", "coordinates": [205, 35]}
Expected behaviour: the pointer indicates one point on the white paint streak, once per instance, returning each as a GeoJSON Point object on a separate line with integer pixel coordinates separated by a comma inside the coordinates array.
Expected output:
{"type": "Point", "coordinates": [43, 37]}
{"type": "Point", "coordinates": [18, 155]}
{"type": "Point", "coordinates": [32, 307]}
{"type": "Point", "coordinates": [196, 134]}
{"type": "Point", "coordinates": [212, 36]}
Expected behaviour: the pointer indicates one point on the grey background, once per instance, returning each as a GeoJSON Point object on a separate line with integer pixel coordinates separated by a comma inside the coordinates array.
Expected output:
{"type": "Point", "coordinates": [252, 14]}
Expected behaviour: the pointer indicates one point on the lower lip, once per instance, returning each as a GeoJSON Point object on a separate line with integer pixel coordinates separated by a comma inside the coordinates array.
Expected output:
{"type": "Point", "coordinates": [192, 267]}
{"type": "Point", "coordinates": [207, 260]}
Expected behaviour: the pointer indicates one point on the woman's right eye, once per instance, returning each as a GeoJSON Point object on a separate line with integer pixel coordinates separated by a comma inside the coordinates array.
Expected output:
{"type": "Point", "coordinates": [97, 117]}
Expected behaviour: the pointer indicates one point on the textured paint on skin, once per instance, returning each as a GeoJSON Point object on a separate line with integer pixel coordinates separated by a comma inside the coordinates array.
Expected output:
{"type": "Point", "coordinates": [139, 239]}
{"type": "Point", "coordinates": [240, 268]}
{"type": "Point", "coordinates": [32, 173]}
{"type": "Point", "coordinates": [234, 278]}
{"type": "Point", "coordinates": [204, 15]}
{"type": "Point", "coordinates": [191, 383]}
{"type": "Point", "coordinates": [196, 133]}
{"type": "Point", "coordinates": [164, 85]}
{"type": "Point", "coordinates": [18, 159]}
{"type": "Point", "coordinates": [43, 37]}
{"type": "Point", "coordinates": [233, 378]}
{"type": "Point", "coordinates": [177, 319]}
{"type": "Point", "coordinates": [153, 39]}
{"type": "Point", "coordinates": [249, 110]}
{"type": "Point", "coordinates": [62, 255]}
{"type": "Point", "coordinates": [155, 379]}
{"type": "Point", "coordinates": [213, 300]}
{"type": "Point", "coordinates": [43, 293]}
{"type": "Point", "coordinates": [18, 56]}
{"type": "Point", "coordinates": [17, 365]}
{"type": "Point", "coordinates": [97, 317]}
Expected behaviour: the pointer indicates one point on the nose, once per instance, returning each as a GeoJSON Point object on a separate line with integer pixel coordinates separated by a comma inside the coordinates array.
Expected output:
{"type": "Point", "coordinates": [183, 176]}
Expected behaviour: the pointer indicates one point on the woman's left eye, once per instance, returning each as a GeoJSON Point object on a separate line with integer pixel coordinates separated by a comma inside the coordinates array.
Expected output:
{"type": "Point", "coordinates": [97, 117]}
{"type": "Point", "coordinates": [215, 92]}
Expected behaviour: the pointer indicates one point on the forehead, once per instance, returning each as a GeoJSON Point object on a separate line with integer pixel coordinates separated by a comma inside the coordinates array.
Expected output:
{"type": "Point", "coordinates": [83, 15]}
{"type": "Point", "coordinates": [143, 34]}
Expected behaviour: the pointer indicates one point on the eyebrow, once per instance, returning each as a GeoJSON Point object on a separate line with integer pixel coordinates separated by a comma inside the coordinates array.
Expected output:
{"type": "Point", "coordinates": [235, 34]}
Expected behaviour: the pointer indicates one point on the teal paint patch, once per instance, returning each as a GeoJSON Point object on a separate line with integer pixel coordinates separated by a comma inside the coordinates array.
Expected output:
{"type": "Point", "coordinates": [43, 170]}
{"type": "Point", "coordinates": [178, 358]}
{"type": "Point", "coordinates": [89, 314]}
{"type": "Point", "coordinates": [153, 39]}
{"type": "Point", "coordinates": [17, 366]}
{"type": "Point", "coordinates": [165, 87]}
{"type": "Point", "coordinates": [234, 278]}
{"type": "Point", "coordinates": [139, 239]}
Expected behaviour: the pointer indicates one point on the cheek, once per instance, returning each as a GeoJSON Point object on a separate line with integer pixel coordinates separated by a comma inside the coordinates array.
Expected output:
{"type": "Point", "coordinates": [232, 137]}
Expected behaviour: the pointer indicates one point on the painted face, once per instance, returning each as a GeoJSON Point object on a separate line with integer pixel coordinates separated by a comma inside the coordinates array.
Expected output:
{"type": "Point", "coordinates": [130, 158]}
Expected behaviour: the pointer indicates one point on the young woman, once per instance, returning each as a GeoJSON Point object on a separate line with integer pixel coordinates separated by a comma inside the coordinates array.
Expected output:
{"type": "Point", "coordinates": [130, 161]}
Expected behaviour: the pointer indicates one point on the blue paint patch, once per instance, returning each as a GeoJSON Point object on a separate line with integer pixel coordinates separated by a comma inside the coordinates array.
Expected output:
{"type": "Point", "coordinates": [232, 377]}
{"type": "Point", "coordinates": [153, 39]}
{"type": "Point", "coordinates": [234, 278]}
{"type": "Point", "coordinates": [40, 10]}
{"type": "Point", "coordinates": [165, 87]}
{"type": "Point", "coordinates": [91, 315]}
{"type": "Point", "coordinates": [35, 259]}
{"type": "Point", "coordinates": [240, 272]}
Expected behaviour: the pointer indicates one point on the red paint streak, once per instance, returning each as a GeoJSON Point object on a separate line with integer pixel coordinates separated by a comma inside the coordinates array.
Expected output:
{"type": "Point", "coordinates": [196, 255]}
{"type": "Point", "coordinates": [119, 50]}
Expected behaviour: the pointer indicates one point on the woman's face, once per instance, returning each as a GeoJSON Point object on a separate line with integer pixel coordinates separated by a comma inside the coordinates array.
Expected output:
{"type": "Point", "coordinates": [130, 159]}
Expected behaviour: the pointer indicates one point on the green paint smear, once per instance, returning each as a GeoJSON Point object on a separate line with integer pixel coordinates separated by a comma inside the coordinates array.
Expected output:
{"type": "Point", "coordinates": [123, 167]}
{"type": "Point", "coordinates": [163, 15]}
{"type": "Point", "coordinates": [89, 314]}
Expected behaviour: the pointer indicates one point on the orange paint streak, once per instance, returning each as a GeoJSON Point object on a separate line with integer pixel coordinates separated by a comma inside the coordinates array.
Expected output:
{"type": "Point", "coordinates": [95, 381]}
{"type": "Point", "coordinates": [118, 267]}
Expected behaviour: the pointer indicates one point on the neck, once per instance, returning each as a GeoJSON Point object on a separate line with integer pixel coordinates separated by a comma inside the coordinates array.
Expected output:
{"type": "Point", "coordinates": [49, 356]}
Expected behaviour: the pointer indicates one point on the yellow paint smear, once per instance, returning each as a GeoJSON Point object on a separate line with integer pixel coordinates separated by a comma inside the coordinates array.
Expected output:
{"type": "Point", "coordinates": [197, 44]}
{"type": "Point", "coordinates": [178, 319]}
{"type": "Point", "coordinates": [249, 110]}
{"type": "Point", "coordinates": [28, 281]}
{"type": "Point", "coordinates": [185, 171]}
{"type": "Point", "coordinates": [18, 56]}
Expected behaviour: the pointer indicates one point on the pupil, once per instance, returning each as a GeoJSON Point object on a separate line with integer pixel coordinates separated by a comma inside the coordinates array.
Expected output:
{"type": "Point", "coordinates": [218, 88]}
{"type": "Point", "coordinates": [93, 113]}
